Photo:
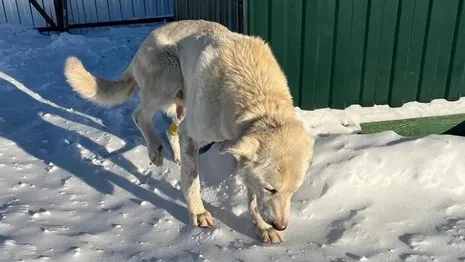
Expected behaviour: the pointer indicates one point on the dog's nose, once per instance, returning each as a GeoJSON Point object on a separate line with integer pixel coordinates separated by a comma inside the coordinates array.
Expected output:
{"type": "Point", "coordinates": [279, 226]}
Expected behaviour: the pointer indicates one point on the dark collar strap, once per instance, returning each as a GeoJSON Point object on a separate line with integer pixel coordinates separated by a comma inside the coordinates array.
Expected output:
{"type": "Point", "coordinates": [205, 148]}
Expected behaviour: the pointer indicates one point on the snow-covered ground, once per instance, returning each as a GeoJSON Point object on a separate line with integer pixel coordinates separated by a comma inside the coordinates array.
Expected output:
{"type": "Point", "coordinates": [76, 184]}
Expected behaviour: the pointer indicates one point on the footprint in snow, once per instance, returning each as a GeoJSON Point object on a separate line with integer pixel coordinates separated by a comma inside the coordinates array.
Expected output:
{"type": "Point", "coordinates": [37, 214]}
{"type": "Point", "coordinates": [339, 226]}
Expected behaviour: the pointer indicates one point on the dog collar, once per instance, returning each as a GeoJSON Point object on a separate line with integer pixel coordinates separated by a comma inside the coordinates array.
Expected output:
{"type": "Point", "coordinates": [205, 148]}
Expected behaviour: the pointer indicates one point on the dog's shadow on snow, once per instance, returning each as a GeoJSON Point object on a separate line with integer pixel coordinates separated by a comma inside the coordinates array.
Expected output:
{"type": "Point", "coordinates": [23, 120]}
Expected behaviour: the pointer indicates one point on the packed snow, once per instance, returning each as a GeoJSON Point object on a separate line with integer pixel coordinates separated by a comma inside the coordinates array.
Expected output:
{"type": "Point", "coordinates": [76, 184]}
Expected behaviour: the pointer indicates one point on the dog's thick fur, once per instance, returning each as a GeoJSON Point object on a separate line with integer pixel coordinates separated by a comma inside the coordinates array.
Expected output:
{"type": "Point", "coordinates": [233, 92]}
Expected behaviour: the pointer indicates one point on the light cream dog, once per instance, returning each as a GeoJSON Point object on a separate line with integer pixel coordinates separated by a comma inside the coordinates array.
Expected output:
{"type": "Point", "coordinates": [233, 92]}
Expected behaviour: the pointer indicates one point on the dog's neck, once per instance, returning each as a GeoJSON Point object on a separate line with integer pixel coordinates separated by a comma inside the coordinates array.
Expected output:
{"type": "Point", "coordinates": [268, 123]}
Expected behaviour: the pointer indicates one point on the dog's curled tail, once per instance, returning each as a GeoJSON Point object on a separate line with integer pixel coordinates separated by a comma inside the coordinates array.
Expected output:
{"type": "Point", "coordinates": [101, 91]}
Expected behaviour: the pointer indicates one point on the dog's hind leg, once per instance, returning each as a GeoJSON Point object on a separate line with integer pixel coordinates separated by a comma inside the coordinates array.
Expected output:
{"type": "Point", "coordinates": [265, 232]}
{"type": "Point", "coordinates": [143, 116]}
{"type": "Point", "coordinates": [198, 215]}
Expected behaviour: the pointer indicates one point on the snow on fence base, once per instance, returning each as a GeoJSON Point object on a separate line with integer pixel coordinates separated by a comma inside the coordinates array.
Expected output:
{"type": "Point", "coordinates": [446, 124]}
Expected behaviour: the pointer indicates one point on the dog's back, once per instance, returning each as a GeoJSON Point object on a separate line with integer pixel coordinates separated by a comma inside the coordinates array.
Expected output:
{"type": "Point", "coordinates": [173, 32]}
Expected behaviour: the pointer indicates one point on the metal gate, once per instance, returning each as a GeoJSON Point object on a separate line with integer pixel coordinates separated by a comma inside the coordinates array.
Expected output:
{"type": "Point", "coordinates": [63, 15]}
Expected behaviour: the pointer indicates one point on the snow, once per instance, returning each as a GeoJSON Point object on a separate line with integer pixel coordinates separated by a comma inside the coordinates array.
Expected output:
{"type": "Point", "coordinates": [76, 184]}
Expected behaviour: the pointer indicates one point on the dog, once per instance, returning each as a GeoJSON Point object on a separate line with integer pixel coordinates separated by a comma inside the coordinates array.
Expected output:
{"type": "Point", "coordinates": [233, 92]}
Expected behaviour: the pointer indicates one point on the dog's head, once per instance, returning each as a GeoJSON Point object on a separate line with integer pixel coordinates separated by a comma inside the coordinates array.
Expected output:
{"type": "Point", "coordinates": [273, 164]}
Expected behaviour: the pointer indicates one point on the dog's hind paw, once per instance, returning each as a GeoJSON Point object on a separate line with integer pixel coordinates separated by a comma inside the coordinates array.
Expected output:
{"type": "Point", "coordinates": [156, 156]}
{"type": "Point", "coordinates": [204, 219]}
{"type": "Point", "coordinates": [177, 159]}
{"type": "Point", "coordinates": [270, 235]}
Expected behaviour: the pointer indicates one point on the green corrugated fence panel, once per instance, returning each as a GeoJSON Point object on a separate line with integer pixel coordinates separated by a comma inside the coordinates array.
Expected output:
{"type": "Point", "coordinates": [336, 53]}
{"type": "Point", "coordinates": [226, 12]}
{"type": "Point", "coordinates": [347, 69]}
{"type": "Point", "coordinates": [288, 22]}
{"type": "Point", "coordinates": [438, 49]}
{"type": "Point", "coordinates": [410, 44]}
{"type": "Point", "coordinates": [317, 56]}
{"type": "Point", "coordinates": [380, 51]}
{"type": "Point", "coordinates": [456, 77]}
{"type": "Point", "coordinates": [259, 18]}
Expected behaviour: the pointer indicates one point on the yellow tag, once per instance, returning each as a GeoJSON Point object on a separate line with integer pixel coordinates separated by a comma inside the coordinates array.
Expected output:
{"type": "Point", "coordinates": [173, 129]}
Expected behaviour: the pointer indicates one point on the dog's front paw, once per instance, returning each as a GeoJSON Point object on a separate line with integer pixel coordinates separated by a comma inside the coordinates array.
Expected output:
{"type": "Point", "coordinates": [156, 155]}
{"type": "Point", "coordinates": [270, 235]}
{"type": "Point", "coordinates": [204, 219]}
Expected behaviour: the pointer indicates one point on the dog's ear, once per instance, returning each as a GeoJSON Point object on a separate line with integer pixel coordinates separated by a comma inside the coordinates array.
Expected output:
{"type": "Point", "coordinates": [246, 147]}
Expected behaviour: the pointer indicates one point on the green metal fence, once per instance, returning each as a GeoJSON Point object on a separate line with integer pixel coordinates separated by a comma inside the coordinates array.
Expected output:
{"type": "Point", "coordinates": [336, 53]}
{"type": "Point", "coordinates": [226, 12]}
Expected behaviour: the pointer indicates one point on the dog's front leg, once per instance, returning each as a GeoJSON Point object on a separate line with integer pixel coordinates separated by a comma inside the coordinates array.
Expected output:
{"type": "Point", "coordinates": [265, 232]}
{"type": "Point", "coordinates": [199, 216]}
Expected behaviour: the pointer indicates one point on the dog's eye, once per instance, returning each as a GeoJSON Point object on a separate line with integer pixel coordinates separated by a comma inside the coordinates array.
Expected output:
{"type": "Point", "coordinates": [271, 191]}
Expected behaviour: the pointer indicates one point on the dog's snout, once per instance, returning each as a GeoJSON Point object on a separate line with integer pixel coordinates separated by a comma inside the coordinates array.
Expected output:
{"type": "Point", "coordinates": [279, 226]}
